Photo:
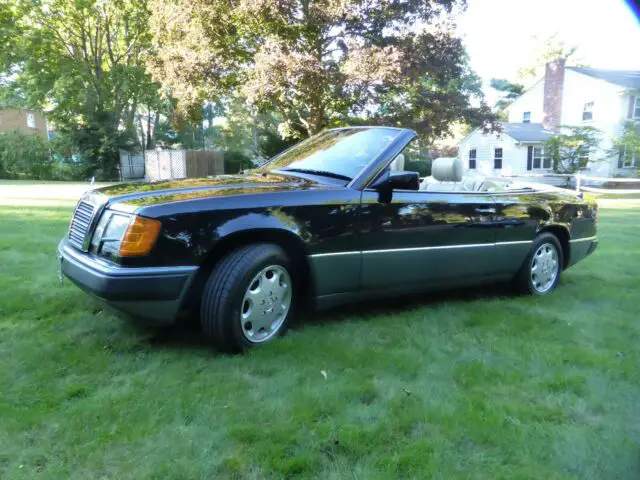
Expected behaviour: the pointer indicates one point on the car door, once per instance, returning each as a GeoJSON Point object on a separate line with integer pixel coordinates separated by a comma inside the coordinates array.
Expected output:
{"type": "Point", "coordinates": [419, 238]}
{"type": "Point", "coordinates": [518, 214]}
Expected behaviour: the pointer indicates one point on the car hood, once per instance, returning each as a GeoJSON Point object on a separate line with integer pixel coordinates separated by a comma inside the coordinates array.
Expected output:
{"type": "Point", "coordinates": [130, 196]}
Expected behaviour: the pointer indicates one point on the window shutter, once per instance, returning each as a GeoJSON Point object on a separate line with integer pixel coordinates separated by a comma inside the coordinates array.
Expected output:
{"type": "Point", "coordinates": [621, 158]}
{"type": "Point", "coordinates": [632, 102]}
{"type": "Point", "coordinates": [529, 158]}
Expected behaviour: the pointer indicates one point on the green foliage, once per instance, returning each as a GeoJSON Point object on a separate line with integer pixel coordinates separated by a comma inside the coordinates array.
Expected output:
{"type": "Point", "coordinates": [9, 36]}
{"type": "Point", "coordinates": [235, 162]}
{"type": "Point", "coordinates": [545, 50]}
{"type": "Point", "coordinates": [628, 143]}
{"type": "Point", "coordinates": [83, 60]}
{"type": "Point", "coordinates": [510, 91]}
{"type": "Point", "coordinates": [423, 167]}
{"type": "Point", "coordinates": [318, 64]}
{"type": "Point", "coordinates": [24, 156]}
{"type": "Point", "coordinates": [244, 132]}
{"type": "Point", "coordinates": [250, 131]}
{"type": "Point", "coordinates": [573, 148]}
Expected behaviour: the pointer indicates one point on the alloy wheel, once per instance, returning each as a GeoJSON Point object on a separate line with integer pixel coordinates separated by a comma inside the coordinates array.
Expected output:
{"type": "Point", "coordinates": [544, 267]}
{"type": "Point", "coordinates": [265, 304]}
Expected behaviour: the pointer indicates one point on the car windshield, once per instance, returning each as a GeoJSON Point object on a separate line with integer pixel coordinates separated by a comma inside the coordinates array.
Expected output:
{"type": "Point", "coordinates": [341, 153]}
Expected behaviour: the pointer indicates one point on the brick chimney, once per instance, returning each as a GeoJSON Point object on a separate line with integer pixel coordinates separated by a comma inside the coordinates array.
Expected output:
{"type": "Point", "coordinates": [553, 84]}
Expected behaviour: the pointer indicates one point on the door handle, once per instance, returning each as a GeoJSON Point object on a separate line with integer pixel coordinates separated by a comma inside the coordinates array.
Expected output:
{"type": "Point", "coordinates": [485, 210]}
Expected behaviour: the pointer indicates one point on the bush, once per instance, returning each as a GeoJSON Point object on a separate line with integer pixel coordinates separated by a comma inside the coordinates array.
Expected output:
{"type": "Point", "coordinates": [69, 171]}
{"type": "Point", "coordinates": [24, 156]}
{"type": "Point", "coordinates": [421, 166]}
{"type": "Point", "coordinates": [235, 161]}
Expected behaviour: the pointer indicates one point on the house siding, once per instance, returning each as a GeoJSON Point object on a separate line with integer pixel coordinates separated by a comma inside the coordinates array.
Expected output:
{"type": "Point", "coordinates": [514, 155]}
{"type": "Point", "coordinates": [12, 119]}
{"type": "Point", "coordinates": [529, 101]}
{"type": "Point", "coordinates": [610, 111]}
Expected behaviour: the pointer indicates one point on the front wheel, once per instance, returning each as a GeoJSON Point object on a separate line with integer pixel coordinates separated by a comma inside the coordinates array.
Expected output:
{"type": "Point", "coordinates": [248, 299]}
{"type": "Point", "coordinates": [540, 273]}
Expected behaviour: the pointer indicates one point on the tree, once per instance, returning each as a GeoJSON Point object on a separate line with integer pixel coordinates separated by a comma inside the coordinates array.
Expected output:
{"type": "Point", "coordinates": [83, 62]}
{"type": "Point", "coordinates": [545, 50]}
{"type": "Point", "coordinates": [510, 91]}
{"type": "Point", "coordinates": [573, 148]}
{"type": "Point", "coordinates": [627, 146]}
{"type": "Point", "coordinates": [318, 63]}
{"type": "Point", "coordinates": [24, 155]}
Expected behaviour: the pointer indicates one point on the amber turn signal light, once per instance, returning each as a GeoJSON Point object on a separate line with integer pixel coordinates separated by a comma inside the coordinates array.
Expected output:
{"type": "Point", "coordinates": [139, 237]}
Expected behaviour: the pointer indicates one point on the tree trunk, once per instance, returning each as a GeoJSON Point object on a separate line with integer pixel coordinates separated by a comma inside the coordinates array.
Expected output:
{"type": "Point", "coordinates": [148, 128]}
{"type": "Point", "coordinates": [316, 119]}
{"type": "Point", "coordinates": [152, 142]}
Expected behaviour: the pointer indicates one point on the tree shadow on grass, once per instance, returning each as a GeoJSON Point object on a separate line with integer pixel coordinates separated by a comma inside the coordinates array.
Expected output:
{"type": "Point", "coordinates": [187, 336]}
{"type": "Point", "coordinates": [397, 304]}
{"type": "Point", "coordinates": [182, 336]}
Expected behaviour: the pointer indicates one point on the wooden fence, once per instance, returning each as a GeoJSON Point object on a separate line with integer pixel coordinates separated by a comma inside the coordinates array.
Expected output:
{"type": "Point", "coordinates": [175, 164]}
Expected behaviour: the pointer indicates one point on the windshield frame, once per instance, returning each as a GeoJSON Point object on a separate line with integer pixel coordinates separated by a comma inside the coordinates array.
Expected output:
{"type": "Point", "coordinates": [359, 179]}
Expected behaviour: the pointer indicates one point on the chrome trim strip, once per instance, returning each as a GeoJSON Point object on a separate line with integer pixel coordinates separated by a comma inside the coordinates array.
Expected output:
{"type": "Point", "coordinates": [517, 242]}
{"type": "Point", "coordinates": [70, 254]}
{"type": "Point", "coordinates": [416, 249]}
{"type": "Point", "coordinates": [442, 247]}
{"type": "Point", "coordinates": [585, 239]}
{"type": "Point", "coordinates": [334, 254]}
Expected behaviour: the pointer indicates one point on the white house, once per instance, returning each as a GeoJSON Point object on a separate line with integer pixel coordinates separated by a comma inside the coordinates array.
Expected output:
{"type": "Point", "coordinates": [567, 96]}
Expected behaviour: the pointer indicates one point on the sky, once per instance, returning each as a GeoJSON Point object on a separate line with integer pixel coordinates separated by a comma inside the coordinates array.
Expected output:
{"type": "Point", "coordinates": [498, 34]}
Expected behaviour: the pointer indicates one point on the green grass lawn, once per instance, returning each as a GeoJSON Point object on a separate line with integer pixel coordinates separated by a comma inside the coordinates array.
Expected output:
{"type": "Point", "coordinates": [459, 385]}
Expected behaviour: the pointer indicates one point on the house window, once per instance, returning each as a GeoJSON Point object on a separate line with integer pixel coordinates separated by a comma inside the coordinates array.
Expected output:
{"type": "Point", "coordinates": [628, 160]}
{"type": "Point", "coordinates": [497, 158]}
{"type": "Point", "coordinates": [583, 156]}
{"type": "Point", "coordinates": [526, 117]}
{"type": "Point", "coordinates": [540, 159]}
{"type": "Point", "coordinates": [587, 111]}
{"type": "Point", "coordinates": [636, 108]}
{"type": "Point", "coordinates": [31, 120]}
{"type": "Point", "coordinates": [472, 159]}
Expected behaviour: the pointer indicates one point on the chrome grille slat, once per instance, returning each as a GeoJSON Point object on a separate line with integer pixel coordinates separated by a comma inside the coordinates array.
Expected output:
{"type": "Point", "coordinates": [80, 223]}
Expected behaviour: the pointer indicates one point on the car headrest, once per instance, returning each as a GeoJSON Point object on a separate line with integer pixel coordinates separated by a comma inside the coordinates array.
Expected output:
{"type": "Point", "coordinates": [397, 165]}
{"type": "Point", "coordinates": [447, 169]}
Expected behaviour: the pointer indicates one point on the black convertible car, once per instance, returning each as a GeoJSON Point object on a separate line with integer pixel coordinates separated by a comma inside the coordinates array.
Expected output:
{"type": "Point", "coordinates": [334, 219]}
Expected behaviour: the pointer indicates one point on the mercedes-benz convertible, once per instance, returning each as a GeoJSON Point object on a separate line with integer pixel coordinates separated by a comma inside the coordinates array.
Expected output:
{"type": "Point", "coordinates": [339, 217]}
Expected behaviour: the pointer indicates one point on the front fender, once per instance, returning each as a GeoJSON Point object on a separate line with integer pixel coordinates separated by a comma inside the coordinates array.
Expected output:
{"type": "Point", "coordinates": [271, 219]}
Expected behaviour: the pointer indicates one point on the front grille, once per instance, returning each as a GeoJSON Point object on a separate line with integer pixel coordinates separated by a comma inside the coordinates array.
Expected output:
{"type": "Point", "coordinates": [80, 223]}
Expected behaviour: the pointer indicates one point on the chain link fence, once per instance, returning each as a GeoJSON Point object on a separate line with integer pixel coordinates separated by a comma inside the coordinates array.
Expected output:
{"type": "Point", "coordinates": [154, 165]}
{"type": "Point", "coordinates": [131, 165]}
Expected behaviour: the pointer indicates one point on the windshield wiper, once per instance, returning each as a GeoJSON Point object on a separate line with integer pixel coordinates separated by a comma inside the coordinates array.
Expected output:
{"type": "Point", "coordinates": [317, 172]}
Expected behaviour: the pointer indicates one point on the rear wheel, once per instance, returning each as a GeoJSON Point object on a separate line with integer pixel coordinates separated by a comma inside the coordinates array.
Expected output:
{"type": "Point", "coordinates": [540, 273]}
{"type": "Point", "coordinates": [248, 299]}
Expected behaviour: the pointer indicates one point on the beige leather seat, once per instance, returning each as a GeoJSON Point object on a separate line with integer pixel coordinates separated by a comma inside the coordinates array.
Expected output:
{"type": "Point", "coordinates": [443, 170]}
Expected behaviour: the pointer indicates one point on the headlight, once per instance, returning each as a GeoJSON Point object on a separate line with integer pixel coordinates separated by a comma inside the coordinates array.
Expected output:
{"type": "Point", "coordinates": [121, 235]}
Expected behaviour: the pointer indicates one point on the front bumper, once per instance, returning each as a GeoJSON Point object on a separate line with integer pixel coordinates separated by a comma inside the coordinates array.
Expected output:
{"type": "Point", "coordinates": [581, 248]}
{"type": "Point", "coordinates": [151, 294]}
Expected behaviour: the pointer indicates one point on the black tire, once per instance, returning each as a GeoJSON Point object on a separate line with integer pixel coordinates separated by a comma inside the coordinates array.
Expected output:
{"type": "Point", "coordinates": [523, 280]}
{"type": "Point", "coordinates": [222, 297]}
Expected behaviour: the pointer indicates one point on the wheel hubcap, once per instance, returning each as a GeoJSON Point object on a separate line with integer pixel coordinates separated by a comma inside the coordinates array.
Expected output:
{"type": "Point", "coordinates": [265, 304]}
{"type": "Point", "coordinates": [544, 267]}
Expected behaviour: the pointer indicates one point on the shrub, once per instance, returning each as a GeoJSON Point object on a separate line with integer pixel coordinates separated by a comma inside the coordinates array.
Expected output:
{"type": "Point", "coordinates": [235, 161]}
{"type": "Point", "coordinates": [423, 167]}
{"type": "Point", "coordinates": [24, 156]}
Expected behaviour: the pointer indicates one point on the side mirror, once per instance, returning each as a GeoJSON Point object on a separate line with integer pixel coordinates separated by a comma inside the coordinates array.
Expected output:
{"type": "Point", "coordinates": [397, 180]}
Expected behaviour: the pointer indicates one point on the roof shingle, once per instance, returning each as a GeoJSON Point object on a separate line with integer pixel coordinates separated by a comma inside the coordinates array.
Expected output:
{"type": "Point", "coordinates": [526, 132]}
{"type": "Point", "coordinates": [623, 78]}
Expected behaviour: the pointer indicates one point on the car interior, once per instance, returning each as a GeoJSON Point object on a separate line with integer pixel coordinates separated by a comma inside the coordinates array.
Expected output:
{"type": "Point", "coordinates": [447, 176]}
